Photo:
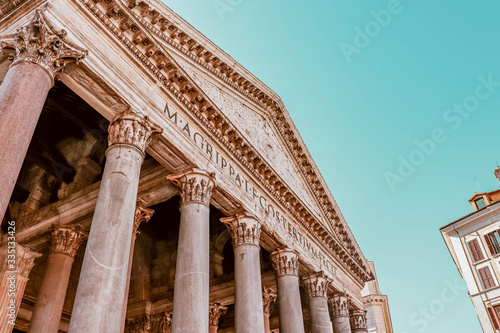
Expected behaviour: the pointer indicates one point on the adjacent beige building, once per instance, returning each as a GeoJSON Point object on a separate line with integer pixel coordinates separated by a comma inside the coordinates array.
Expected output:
{"type": "Point", "coordinates": [474, 244]}
{"type": "Point", "coordinates": [150, 183]}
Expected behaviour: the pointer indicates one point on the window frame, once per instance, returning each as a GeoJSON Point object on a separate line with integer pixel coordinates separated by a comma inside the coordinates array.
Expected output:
{"type": "Point", "coordinates": [485, 279]}
{"type": "Point", "coordinates": [480, 199]}
{"type": "Point", "coordinates": [493, 246]}
{"type": "Point", "coordinates": [475, 248]}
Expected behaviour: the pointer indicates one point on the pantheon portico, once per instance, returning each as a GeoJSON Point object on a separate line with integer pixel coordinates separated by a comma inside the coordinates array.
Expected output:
{"type": "Point", "coordinates": [152, 184]}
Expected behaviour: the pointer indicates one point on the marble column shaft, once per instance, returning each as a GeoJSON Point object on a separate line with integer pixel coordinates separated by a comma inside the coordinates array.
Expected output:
{"type": "Point", "coordinates": [191, 287]}
{"type": "Point", "coordinates": [316, 286]}
{"type": "Point", "coordinates": [101, 288]}
{"type": "Point", "coordinates": [245, 232]}
{"type": "Point", "coordinates": [286, 265]}
{"type": "Point", "coordinates": [339, 305]}
{"type": "Point", "coordinates": [13, 278]}
{"type": "Point", "coordinates": [142, 214]}
{"type": "Point", "coordinates": [64, 244]}
{"type": "Point", "coordinates": [24, 90]}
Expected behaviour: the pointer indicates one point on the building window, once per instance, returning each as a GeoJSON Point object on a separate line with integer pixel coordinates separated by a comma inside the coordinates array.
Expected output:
{"type": "Point", "coordinates": [486, 277]}
{"type": "Point", "coordinates": [495, 316]}
{"type": "Point", "coordinates": [475, 250]}
{"type": "Point", "coordinates": [480, 203]}
{"type": "Point", "coordinates": [493, 241]}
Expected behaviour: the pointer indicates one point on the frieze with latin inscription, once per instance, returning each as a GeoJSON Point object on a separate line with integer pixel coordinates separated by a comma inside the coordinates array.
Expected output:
{"type": "Point", "coordinates": [247, 187]}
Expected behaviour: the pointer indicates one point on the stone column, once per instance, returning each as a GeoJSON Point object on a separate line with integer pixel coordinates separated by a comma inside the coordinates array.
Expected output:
{"type": "Point", "coordinates": [216, 311]}
{"type": "Point", "coordinates": [191, 287]}
{"type": "Point", "coordinates": [16, 262]}
{"type": "Point", "coordinates": [142, 214]}
{"type": "Point", "coordinates": [101, 288]}
{"type": "Point", "coordinates": [268, 297]}
{"type": "Point", "coordinates": [358, 322]}
{"type": "Point", "coordinates": [339, 306]}
{"type": "Point", "coordinates": [64, 244]}
{"type": "Point", "coordinates": [316, 286]}
{"type": "Point", "coordinates": [286, 265]}
{"type": "Point", "coordinates": [245, 232]}
{"type": "Point", "coordinates": [39, 54]}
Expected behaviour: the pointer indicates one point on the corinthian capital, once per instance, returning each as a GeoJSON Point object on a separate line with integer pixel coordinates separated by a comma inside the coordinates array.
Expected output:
{"type": "Point", "coordinates": [285, 262]}
{"type": "Point", "coordinates": [161, 323]}
{"type": "Point", "coordinates": [38, 42]}
{"type": "Point", "coordinates": [196, 186]}
{"type": "Point", "coordinates": [216, 311]}
{"type": "Point", "coordinates": [316, 284]}
{"type": "Point", "coordinates": [358, 321]}
{"type": "Point", "coordinates": [245, 229]}
{"type": "Point", "coordinates": [339, 305]}
{"type": "Point", "coordinates": [142, 214]}
{"type": "Point", "coordinates": [23, 262]}
{"type": "Point", "coordinates": [268, 297]}
{"type": "Point", "coordinates": [139, 324]}
{"type": "Point", "coordinates": [67, 240]}
{"type": "Point", "coordinates": [130, 129]}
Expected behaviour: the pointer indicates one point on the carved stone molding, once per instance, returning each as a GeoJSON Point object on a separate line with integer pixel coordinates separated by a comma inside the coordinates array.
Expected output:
{"type": "Point", "coordinates": [67, 240]}
{"type": "Point", "coordinates": [285, 262]}
{"type": "Point", "coordinates": [158, 323]}
{"type": "Point", "coordinates": [24, 260]}
{"type": "Point", "coordinates": [38, 42]}
{"type": "Point", "coordinates": [161, 323]}
{"type": "Point", "coordinates": [316, 285]}
{"type": "Point", "coordinates": [216, 311]}
{"type": "Point", "coordinates": [245, 229]}
{"type": "Point", "coordinates": [129, 128]}
{"type": "Point", "coordinates": [139, 324]}
{"type": "Point", "coordinates": [358, 321]}
{"type": "Point", "coordinates": [268, 298]}
{"type": "Point", "coordinates": [196, 186]}
{"type": "Point", "coordinates": [142, 214]}
{"type": "Point", "coordinates": [339, 305]}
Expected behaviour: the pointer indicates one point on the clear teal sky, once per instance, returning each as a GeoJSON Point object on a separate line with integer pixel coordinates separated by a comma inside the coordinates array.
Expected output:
{"type": "Point", "coordinates": [361, 102]}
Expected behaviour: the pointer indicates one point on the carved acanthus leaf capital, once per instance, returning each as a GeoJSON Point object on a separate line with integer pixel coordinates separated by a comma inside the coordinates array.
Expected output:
{"type": "Point", "coordinates": [216, 311]}
{"type": "Point", "coordinates": [38, 42]}
{"type": "Point", "coordinates": [339, 305]}
{"type": "Point", "coordinates": [131, 129]}
{"type": "Point", "coordinates": [316, 285]}
{"type": "Point", "coordinates": [196, 186]}
{"type": "Point", "coordinates": [139, 324]}
{"type": "Point", "coordinates": [142, 214]}
{"type": "Point", "coordinates": [161, 323]}
{"type": "Point", "coordinates": [285, 262]}
{"type": "Point", "coordinates": [268, 298]}
{"type": "Point", "coordinates": [245, 229]}
{"type": "Point", "coordinates": [67, 240]}
{"type": "Point", "coordinates": [24, 259]}
{"type": "Point", "coordinates": [358, 321]}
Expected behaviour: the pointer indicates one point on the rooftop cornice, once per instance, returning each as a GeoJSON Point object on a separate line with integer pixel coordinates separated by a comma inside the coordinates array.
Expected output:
{"type": "Point", "coordinates": [135, 24]}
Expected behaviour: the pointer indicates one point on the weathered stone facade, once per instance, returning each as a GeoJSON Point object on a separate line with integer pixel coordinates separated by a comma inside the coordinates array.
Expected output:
{"type": "Point", "coordinates": [135, 117]}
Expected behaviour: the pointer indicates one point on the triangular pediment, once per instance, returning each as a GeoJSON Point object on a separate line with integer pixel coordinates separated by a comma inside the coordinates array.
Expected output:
{"type": "Point", "coordinates": [256, 126]}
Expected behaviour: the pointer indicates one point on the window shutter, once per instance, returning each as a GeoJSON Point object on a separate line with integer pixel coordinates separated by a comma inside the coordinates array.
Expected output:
{"type": "Point", "coordinates": [475, 250]}
{"type": "Point", "coordinates": [490, 244]}
{"type": "Point", "coordinates": [494, 317]}
{"type": "Point", "coordinates": [486, 277]}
